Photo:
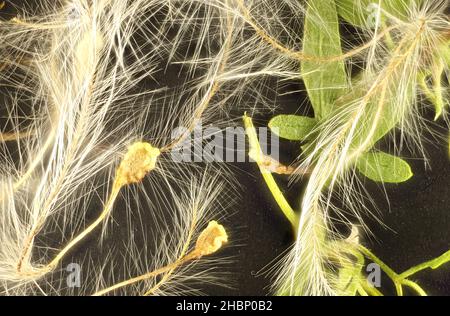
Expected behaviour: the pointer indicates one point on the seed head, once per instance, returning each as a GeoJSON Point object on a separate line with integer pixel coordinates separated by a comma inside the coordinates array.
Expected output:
{"type": "Point", "coordinates": [211, 239]}
{"type": "Point", "coordinates": [138, 161]}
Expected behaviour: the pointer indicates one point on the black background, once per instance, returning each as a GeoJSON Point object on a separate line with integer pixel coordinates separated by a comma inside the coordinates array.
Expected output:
{"type": "Point", "coordinates": [418, 217]}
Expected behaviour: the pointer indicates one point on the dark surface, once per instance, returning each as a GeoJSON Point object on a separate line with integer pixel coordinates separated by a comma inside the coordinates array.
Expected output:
{"type": "Point", "coordinates": [418, 219]}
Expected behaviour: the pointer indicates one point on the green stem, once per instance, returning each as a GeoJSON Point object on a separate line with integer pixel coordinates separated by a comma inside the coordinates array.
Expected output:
{"type": "Point", "coordinates": [364, 286]}
{"type": "Point", "coordinates": [390, 273]}
{"type": "Point", "coordinates": [255, 150]}
{"type": "Point", "coordinates": [402, 279]}
{"type": "Point", "coordinates": [362, 292]}
{"type": "Point", "coordinates": [399, 280]}
{"type": "Point", "coordinates": [431, 264]}
{"type": "Point", "coordinates": [399, 289]}
{"type": "Point", "coordinates": [414, 286]}
{"type": "Point", "coordinates": [445, 51]}
{"type": "Point", "coordinates": [369, 288]}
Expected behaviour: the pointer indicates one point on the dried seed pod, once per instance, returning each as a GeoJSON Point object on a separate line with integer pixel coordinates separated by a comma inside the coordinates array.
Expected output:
{"type": "Point", "coordinates": [211, 239]}
{"type": "Point", "coordinates": [140, 159]}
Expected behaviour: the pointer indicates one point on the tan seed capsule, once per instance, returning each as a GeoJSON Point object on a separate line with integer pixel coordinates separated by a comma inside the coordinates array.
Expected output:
{"type": "Point", "coordinates": [140, 159]}
{"type": "Point", "coordinates": [211, 239]}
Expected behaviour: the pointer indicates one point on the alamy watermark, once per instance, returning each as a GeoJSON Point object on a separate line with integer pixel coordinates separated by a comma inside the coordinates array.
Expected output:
{"type": "Point", "coordinates": [374, 15]}
{"type": "Point", "coordinates": [374, 275]}
{"type": "Point", "coordinates": [73, 279]}
{"type": "Point", "coordinates": [214, 144]}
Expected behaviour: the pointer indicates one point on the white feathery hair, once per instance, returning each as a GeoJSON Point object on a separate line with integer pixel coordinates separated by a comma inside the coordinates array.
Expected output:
{"type": "Point", "coordinates": [136, 246]}
{"type": "Point", "coordinates": [86, 79]}
{"type": "Point", "coordinates": [387, 91]}
{"type": "Point", "coordinates": [84, 83]}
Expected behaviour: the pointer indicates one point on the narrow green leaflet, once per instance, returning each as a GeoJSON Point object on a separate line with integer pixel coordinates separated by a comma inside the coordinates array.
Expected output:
{"type": "Point", "coordinates": [390, 115]}
{"type": "Point", "coordinates": [363, 13]}
{"type": "Point", "coordinates": [346, 283]}
{"type": "Point", "coordinates": [437, 94]}
{"type": "Point", "coordinates": [324, 81]}
{"type": "Point", "coordinates": [438, 72]}
{"type": "Point", "coordinates": [355, 12]}
{"type": "Point", "coordinates": [292, 127]}
{"type": "Point", "coordinates": [446, 53]}
{"type": "Point", "coordinates": [382, 167]}
{"type": "Point", "coordinates": [400, 8]}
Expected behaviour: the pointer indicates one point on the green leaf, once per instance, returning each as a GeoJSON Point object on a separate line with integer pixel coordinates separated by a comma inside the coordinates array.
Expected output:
{"type": "Point", "coordinates": [382, 167]}
{"type": "Point", "coordinates": [355, 12]}
{"type": "Point", "coordinates": [435, 93]}
{"type": "Point", "coordinates": [387, 118]}
{"type": "Point", "coordinates": [324, 81]}
{"type": "Point", "coordinates": [446, 53]}
{"type": "Point", "coordinates": [292, 127]}
{"type": "Point", "coordinates": [347, 284]}
{"type": "Point", "coordinates": [438, 70]}
{"type": "Point", "coordinates": [363, 13]}
{"type": "Point", "coordinates": [400, 8]}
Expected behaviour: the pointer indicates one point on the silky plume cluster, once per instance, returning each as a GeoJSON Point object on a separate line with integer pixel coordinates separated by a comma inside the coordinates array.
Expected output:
{"type": "Point", "coordinates": [384, 96]}
{"type": "Point", "coordinates": [82, 96]}
{"type": "Point", "coordinates": [87, 85]}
